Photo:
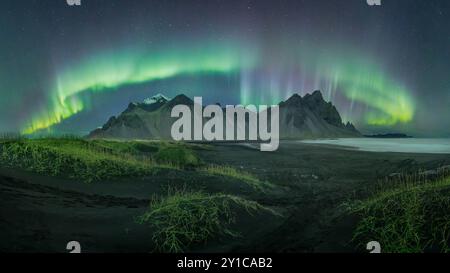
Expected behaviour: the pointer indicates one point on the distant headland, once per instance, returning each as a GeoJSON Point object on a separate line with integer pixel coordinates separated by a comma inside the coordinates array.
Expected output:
{"type": "Point", "coordinates": [389, 135]}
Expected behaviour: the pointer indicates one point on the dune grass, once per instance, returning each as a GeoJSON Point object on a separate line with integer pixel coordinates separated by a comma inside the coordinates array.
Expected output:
{"type": "Point", "coordinates": [410, 215]}
{"type": "Point", "coordinates": [244, 176]}
{"type": "Point", "coordinates": [96, 160]}
{"type": "Point", "coordinates": [73, 158]}
{"type": "Point", "coordinates": [177, 155]}
{"type": "Point", "coordinates": [184, 218]}
{"type": "Point", "coordinates": [92, 160]}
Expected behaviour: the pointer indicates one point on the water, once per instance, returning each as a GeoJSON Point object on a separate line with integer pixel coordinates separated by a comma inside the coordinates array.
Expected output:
{"type": "Point", "coordinates": [400, 145]}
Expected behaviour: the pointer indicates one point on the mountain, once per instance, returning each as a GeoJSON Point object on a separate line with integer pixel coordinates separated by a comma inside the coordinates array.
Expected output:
{"type": "Point", "coordinates": [300, 117]}
{"type": "Point", "coordinates": [147, 120]}
{"type": "Point", "coordinates": [312, 117]}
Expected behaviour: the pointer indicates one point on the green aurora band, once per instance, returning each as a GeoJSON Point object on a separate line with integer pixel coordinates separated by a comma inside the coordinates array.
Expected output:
{"type": "Point", "coordinates": [355, 76]}
{"type": "Point", "coordinates": [359, 80]}
{"type": "Point", "coordinates": [389, 103]}
{"type": "Point", "coordinates": [111, 70]}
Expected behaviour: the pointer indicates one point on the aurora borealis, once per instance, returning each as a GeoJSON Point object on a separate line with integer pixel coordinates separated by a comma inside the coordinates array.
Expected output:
{"type": "Point", "coordinates": [69, 68]}
{"type": "Point", "coordinates": [110, 71]}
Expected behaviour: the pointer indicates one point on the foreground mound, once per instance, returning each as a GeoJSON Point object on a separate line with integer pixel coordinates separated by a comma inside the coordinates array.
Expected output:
{"type": "Point", "coordinates": [93, 160]}
{"type": "Point", "coordinates": [410, 216]}
{"type": "Point", "coordinates": [183, 219]}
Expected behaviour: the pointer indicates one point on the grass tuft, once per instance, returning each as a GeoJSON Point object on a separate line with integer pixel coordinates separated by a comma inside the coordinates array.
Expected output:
{"type": "Point", "coordinates": [184, 218]}
{"type": "Point", "coordinates": [409, 215]}
{"type": "Point", "coordinates": [177, 154]}
{"type": "Point", "coordinates": [237, 174]}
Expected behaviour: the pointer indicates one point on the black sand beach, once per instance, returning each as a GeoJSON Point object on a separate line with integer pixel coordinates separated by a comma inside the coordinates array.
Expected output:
{"type": "Point", "coordinates": [41, 214]}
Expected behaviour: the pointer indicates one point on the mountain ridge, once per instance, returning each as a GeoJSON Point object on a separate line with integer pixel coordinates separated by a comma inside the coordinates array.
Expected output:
{"type": "Point", "coordinates": [309, 116]}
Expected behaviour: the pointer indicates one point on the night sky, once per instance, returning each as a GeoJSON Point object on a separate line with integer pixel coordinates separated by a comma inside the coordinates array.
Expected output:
{"type": "Point", "coordinates": [68, 69]}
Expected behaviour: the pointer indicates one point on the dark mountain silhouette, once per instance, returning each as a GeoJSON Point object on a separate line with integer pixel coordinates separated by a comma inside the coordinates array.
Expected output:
{"type": "Point", "coordinates": [300, 117]}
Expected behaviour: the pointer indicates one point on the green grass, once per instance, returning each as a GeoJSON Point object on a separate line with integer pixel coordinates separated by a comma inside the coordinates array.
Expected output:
{"type": "Point", "coordinates": [185, 218]}
{"type": "Point", "coordinates": [96, 160]}
{"type": "Point", "coordinates": [73, 158]}
{"type": "Point", "coordinates": [82, 159]}
{"type": "Point", "coordinates": [177, 155]}
{"type": "Point", "coordinates": [411, 215]}
{"type": "Point", "coordinates": [246, 177]}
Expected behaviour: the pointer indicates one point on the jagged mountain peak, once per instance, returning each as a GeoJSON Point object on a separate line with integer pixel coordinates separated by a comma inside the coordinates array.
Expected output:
{"type": "Point", "coordinates": [158, 98]}
{"type": "Point", "coordinates": [326, 110]}
{"type": "Point", "coordinates": [180, 99]}
{"type": "Point", "coordinates": [294, 100]}
{"type": "Point", "coordinates": [316, 96]}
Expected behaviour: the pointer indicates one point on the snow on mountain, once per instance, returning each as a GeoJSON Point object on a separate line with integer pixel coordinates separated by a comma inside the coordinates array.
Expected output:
{"type": "Point", "coordinates": [157, 98]}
